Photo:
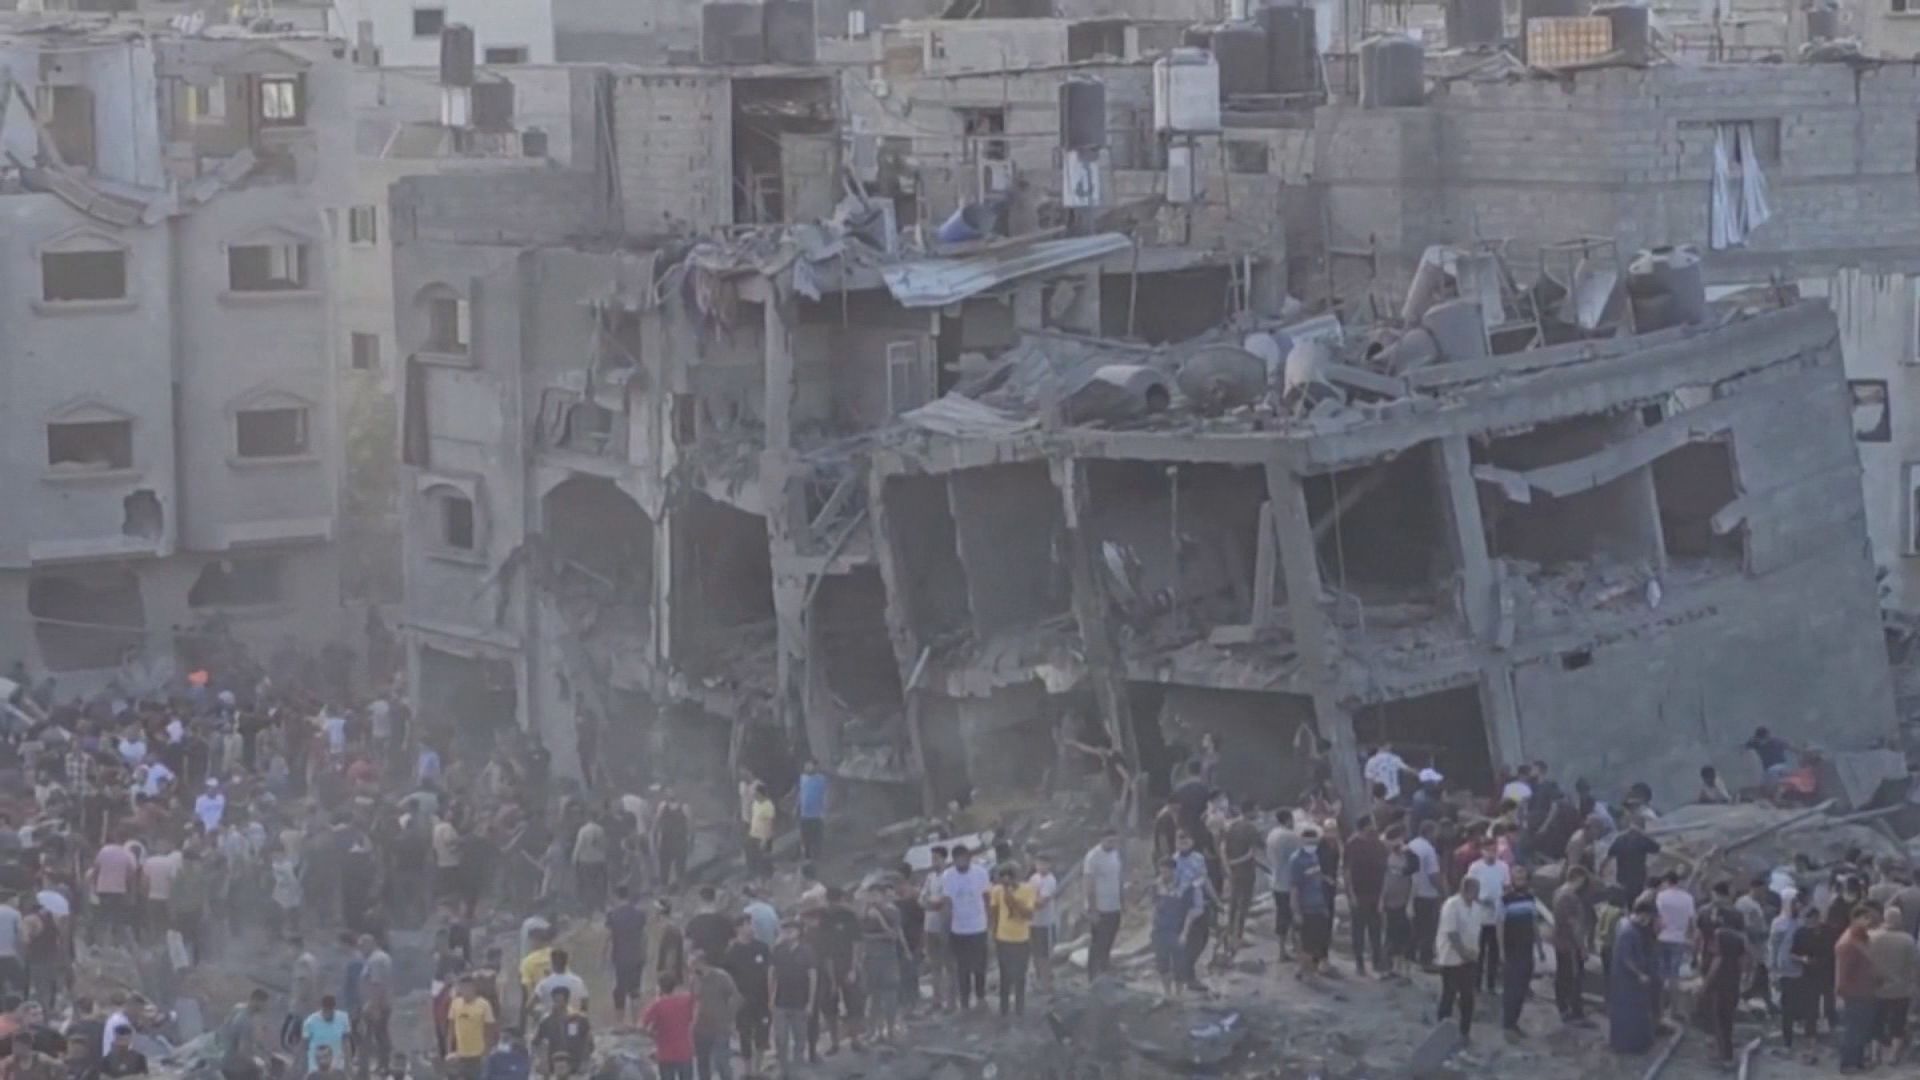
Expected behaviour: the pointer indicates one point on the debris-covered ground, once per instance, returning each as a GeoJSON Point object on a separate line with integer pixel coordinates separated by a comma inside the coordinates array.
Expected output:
{"type": "Point", "coordinates": [1258, 1020]}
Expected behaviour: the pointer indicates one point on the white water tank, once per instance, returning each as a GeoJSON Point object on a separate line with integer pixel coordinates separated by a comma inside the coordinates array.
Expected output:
{"type": "Point", "coordinates": [1186, 92]}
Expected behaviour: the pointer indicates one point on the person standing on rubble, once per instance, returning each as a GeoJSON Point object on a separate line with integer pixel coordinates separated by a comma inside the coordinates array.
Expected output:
{"type": "Point", "coordinates": [1857, 985]}
{"type": "Point", "coordinates": [939, 953]}
{"type": "Point", "coordinates": [1282, 842]}
{"type": "Point", "coordinates": [1572, 930]}
{"type": "Point", "coordinates": [1456, 952]}
{"type": "Point", "coordinates": [1366, 861]}
{"type": "Point", "coordinates": [1520, 943]}
{"type": "Point", "coordinates": [1427, 890]}
{"type": "Point", "coordinates": [1010, 918]}
{"type": "Point", "coordinates": [963, 898]}
{"type": "Point", "coordinates": [1190, 867]}
{"type": "Point", "coordinates": [1103, 873]}
{"type": "Point", "coordinates": [811, 806]}
{"type": "Point", "coordinates": [1633, 984]}
{"type": "Point", "coordinates": [1494, 876]}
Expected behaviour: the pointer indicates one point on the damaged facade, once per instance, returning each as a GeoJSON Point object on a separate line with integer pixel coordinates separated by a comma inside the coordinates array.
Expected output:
{"type": "Point", "coordinates": [898, 416]}
{"type": "Point", "coordinates": [170, 403]}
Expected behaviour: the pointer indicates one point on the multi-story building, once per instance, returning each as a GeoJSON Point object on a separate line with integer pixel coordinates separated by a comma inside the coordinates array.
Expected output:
{"type": "Point", "coordinates": [407, 122]}
{"type": "Point", "coordinates": [169, 400]}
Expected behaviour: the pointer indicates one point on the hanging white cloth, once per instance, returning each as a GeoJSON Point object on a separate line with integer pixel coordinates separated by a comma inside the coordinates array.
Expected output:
{"type": "Point", "coordinates": [1738, 204]}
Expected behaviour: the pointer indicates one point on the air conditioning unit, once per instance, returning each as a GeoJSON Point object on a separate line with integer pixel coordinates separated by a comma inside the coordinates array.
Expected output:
{"type": "Point", "coordinates": [996, 177]}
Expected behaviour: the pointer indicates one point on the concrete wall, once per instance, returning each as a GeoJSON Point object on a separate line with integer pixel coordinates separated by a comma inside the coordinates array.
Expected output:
{"type": "Point", "coordinates": [625, 31]}
{"type": "Point", "coordinates": [1627, 153]}
{"type": "Point", "coordinates": [1795, 643]}
{"type": "Point", "coordinates": [672, 135]}
{"type": "Point", "coordinates": [102, 358]}
{"type": "Point", "coordinates": [526, 24]}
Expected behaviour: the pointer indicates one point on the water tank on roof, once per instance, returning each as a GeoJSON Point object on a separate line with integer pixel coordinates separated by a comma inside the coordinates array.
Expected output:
{"type": "Point", "coordinates": [493, 105]}
{"type": "Point", "coordinates": [1393, 72]}
{"type": "Point", "coordinates": [1665, 287]}
{"type": "Point", "coordinates": [1186, 92]}
{"type": "Point", "coordinates": [790, 34]}
{"type": "Point", "coordinates": [1475, 22]}
{"type": "Point", "coordinates": [1293, 51]}
{"type": "Point", "coordinates": [1197, 36]}
{"type": "Point", "coordinates": [1241, 50]}
{"type": "Point", "coordinates": [456, 55]}
{"type": "Point", "coordinates": [1083, 114]}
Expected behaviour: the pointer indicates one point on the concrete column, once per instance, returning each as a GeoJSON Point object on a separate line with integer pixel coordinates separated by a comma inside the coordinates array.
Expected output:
{"type": "Point", "coordinates": [1106, 667]}
{"type": "Point", "coordinates": [906, 644]}
{"type": "Point", "coordinates": [1479, 594]}
{"type": "Point", "coordinates": [778, 346]}
{"type": "Point", "coordinates": [1466, 535]}
{"type": "Point", "coordinates": [1312, 631]}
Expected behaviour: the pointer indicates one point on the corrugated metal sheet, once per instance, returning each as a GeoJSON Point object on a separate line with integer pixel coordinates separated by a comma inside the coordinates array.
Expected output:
{"type": "Point", "coordinates": [937, 282]}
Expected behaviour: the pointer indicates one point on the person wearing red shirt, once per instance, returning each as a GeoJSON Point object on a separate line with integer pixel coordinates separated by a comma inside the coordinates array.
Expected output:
{"type": "Point", "coordinates": [669, 1020]}
{"type": "Point", "coordinates": [1857, 985]}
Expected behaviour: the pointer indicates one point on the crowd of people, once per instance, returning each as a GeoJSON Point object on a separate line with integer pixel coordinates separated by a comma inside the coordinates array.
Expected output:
{"type": "Point", "coordinates": [175, 825]}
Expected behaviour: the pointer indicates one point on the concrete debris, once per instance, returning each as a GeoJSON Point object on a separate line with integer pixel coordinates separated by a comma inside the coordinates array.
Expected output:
{"type": "Point", "coordinates": [1116, 393]}
{"type": "Point", "coordinates": [1219, 378]}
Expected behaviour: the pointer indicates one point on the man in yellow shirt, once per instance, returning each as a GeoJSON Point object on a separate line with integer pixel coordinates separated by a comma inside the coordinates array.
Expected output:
{"type": "Point", "coordinates": [760, 818]}
{"type": "Point", "coordinates": [472, 1027]}
{"type": "Point", "coordinates": [1010, 908]}
{"type": "Point", "coordinates": [536, 965]}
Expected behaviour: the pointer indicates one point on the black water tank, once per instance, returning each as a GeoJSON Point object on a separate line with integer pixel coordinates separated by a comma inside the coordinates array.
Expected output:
{"type": "Point", "coordinates": [1293, 52]}
{"type": "Point", "coordinates": [1198, 36]}
{"type": "Point", "coordinates": [790, 32]}
{"type": "Point", "coordinates": [456, 55]}
{"type": "Point", "coordinates": [732, 33]}
{"type": "Point", "coordinates": [1083, 114]}
{"type": "Point", "coordinates": [493, 105]}
{"type": "Point", "coordinates": [1241, 50]}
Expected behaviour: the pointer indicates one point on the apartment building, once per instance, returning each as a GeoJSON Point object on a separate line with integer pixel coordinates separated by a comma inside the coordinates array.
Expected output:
{"type": "Point", "coordinates": [167, 323]}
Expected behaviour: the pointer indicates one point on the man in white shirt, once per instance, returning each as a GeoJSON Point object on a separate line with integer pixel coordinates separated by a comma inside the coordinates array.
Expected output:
{"type": "Point", "coordinates": [1282, 842]}
{"type": "Point", "coordinates": [1493, 877]}
{"type": "Point", "coordinates": [1677, 914]}
{"type": "Point", "coordinates": [1456, 952]}
{"type": "Point", "coordinates": [210, 807]}
{"type": "Point", "coordinates": [1103, 873]}
{"type": "Point", "coordinates": [1384, 767]}
{"type": "Point", "coordinates": [1426, 892]}
{"type": "Point", "coordinates": [963, 888]}
{"type": "Point", "coordinates": [1518, 790]}
{"type": "Point", "coordinates": [1046, 917]}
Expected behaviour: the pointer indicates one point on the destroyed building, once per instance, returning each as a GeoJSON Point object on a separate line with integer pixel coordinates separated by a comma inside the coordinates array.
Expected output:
{"type": "Point", "coordinates": [920, 414]}
{"type": "Point", "coordinates": [169, 394]}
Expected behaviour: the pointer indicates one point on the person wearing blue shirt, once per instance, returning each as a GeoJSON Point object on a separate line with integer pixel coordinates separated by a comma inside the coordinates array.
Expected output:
{"type": "Point", "coordinates": [1190, 872]}
{"type": "Point", "coordinates": [1312, 903]}
{"type": "Point", "coordinates": [326, 1028]}
{"type": "Point", "coordinates": [507, 1061]}
{"type": "Point", "coordinates": [813, 810]}
{"type": "Point", "coordinates": [1176, 908]}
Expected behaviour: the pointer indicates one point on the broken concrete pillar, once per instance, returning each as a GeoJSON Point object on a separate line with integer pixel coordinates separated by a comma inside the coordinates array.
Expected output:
{"type": "Point", "coordinates": [1300, 563]}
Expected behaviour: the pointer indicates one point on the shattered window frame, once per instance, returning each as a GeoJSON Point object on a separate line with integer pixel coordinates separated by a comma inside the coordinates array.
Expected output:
{"type": "Point", "coordinates": [287, 268]}
{"type": "Point", "coordinates": [363, 225]}
{"type": "Point", "coordinates": [60, 434]}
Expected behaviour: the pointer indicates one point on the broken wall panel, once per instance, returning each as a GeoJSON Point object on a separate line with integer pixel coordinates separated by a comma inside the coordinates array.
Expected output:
{"type": "Point", "coordinates": [1010, 537]}
{"type": "Point", "coordinates": [87, 619]}
{"type": "Point", "coordinates": [925, 542]}
{"type": "Point", "coordinates": [1177, 538]}
{"type": "Point", "coordinates": [1618, 519]}
{"type": "Point", "coordinates": [467, 704]}
{"type": "Point", "coordinates": [1800, 652]}
{"type": "Point", "coordinates": [1001, 743]}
